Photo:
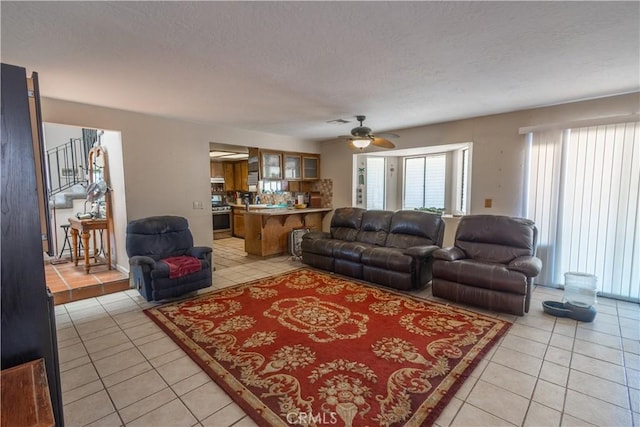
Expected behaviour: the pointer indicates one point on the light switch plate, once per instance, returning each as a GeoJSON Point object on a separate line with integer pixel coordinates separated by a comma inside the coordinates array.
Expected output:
{"type": "Point", "coordinates": [197, 204]}
{"type": "Point", "coordinates": [488, 203]}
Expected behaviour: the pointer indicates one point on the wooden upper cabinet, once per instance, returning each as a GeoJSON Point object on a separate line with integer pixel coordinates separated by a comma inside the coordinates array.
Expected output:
{"type": "Point", "coordinates": [271, 164]}
{"type": "Point", "coordinates": [241, 175]}
{"type": "Point", "coordinates": [229, 178]}
{"type": "Point", "coordinates": [292, 166]}
{"type": "Point", "coordinates": [310, 166]}
{"type": "Point", "coordinates": [217, 169]}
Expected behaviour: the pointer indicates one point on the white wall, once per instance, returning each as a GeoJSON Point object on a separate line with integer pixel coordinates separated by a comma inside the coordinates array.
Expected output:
{"type": "Point", "coordinates": [165, 161]}
{"type": "Point", "coordinates": [498, 150]}
{"type": "Point", "coordinates": [112, 143]}
{"type": "Point", "coordinates": [55, 135]}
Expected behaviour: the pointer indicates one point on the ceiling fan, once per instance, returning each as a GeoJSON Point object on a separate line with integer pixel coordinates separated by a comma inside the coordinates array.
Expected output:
{"type": "Point", "coordinates": [361, 137]}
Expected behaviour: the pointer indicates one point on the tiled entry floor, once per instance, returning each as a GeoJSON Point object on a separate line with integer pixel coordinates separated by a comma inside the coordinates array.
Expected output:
{"type": "Point", "coordinates": [69, 282]}
{"type": "Point", "coordinates": [119, 368]}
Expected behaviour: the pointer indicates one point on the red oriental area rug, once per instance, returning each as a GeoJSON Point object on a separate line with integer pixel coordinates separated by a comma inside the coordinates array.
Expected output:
{"type": "Point", "coordinates": [311, 348]}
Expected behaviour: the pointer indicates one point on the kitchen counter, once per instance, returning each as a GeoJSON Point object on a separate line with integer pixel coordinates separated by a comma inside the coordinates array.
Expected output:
{"type": "Point", "coordinates": [266, 230]}
{"type": "Point", "coordinates": [284, 211]}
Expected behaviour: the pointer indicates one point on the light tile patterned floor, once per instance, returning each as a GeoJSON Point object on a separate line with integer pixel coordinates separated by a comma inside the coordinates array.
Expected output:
{"type": "Point", "coordinates": [118, 368]}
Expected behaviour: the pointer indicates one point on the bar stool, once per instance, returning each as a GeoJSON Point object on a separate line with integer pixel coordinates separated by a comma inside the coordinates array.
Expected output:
{"type": "Point", "coordinates": [67, 242]}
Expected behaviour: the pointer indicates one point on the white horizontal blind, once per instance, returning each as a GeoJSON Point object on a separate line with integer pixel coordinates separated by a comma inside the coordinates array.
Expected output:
{"type": "Point", "coordinates": [375, 182]}
{"type": "Point", "coordinates": [463, 181]}
{"type": "Point", "coordinates": [413, 183]}
{"type": "Point", "coordinates": [424, 181]}
{"type": "Point", "coordinates": [434, 184]}
{"type": "Point", "coordinates": [584, 196]}
{"type": "Point", "coordinates": [600, 225]}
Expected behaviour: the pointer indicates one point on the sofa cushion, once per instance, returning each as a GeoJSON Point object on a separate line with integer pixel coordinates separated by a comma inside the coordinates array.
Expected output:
{"type": "Point", "coordinates": [345, 223]}
{"type": "Point", "coordinates": [414, 228]}
{"type": "Point", "coordinates": [375, 227]}
{"type": "Point", "coordinates": [482, 275]}
{"type": "Point", "coordinates": [388, 258]}
{"type": "Point", "coordinates": [320, 246]}
{"type": "Point", "coordinates": [350, 251]}
{"type": "Point", "coordinates": [477, 237]}
{"type": "Point", "coordinates": [158, 237]}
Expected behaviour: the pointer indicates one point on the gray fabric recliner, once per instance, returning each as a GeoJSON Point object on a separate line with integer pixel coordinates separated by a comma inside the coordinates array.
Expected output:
{"type": "Point", "coordinates": [154, 239]}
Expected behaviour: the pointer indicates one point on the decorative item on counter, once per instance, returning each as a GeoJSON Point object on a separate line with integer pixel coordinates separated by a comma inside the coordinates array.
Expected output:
{"type": "Point", "coordinates": [315, 200]}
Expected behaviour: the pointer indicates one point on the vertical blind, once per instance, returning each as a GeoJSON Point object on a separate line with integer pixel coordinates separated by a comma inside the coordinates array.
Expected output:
{"type": "Point", "coordinates": [584, 195]}
{"type": "Point", "coordinates": [375, 182]}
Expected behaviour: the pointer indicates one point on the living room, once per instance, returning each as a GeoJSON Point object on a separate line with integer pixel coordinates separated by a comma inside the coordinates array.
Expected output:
{"type": "Point", "coordinates": [166, 170]}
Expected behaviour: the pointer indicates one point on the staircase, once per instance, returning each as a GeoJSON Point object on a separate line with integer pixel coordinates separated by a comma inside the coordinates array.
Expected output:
{"type": "Point", "coordinates": [67, 165]}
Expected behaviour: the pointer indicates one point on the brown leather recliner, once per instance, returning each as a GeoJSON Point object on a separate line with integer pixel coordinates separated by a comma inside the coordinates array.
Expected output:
{"type": "Point", "coordinates": [492, 264]}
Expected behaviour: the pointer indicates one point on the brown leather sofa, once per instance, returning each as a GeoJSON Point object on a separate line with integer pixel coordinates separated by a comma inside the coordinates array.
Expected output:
{"type": "Point", "coordinates": [390, 248]}
{"type": "Point", "coordinates": [492, 264]}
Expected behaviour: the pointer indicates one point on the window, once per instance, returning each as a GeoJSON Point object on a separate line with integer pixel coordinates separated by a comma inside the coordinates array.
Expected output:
{"type": "Point", "coordinates": [425, 181]}
{"type": "Point", "coordinates": [583, 194]}
{"type": "Point", "coordinates": [269, 186]}
{"type": "Point", "coordinates": [462, 194]}
{"type": "Point", "coordinates": [375, 182]}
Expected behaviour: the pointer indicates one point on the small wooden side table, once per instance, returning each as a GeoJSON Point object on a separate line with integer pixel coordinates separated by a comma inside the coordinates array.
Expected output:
{"type": "Point", "coordinates": [86, 228]}
{"type": "Point", "coordinates": [25, 396]}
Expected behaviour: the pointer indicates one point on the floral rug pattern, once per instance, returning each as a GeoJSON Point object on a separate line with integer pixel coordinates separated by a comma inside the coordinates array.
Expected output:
{"type": "Point", "coordinates": [312, 348]}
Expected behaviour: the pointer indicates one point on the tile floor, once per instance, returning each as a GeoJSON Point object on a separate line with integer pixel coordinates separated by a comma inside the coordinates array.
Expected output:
{"type": "Point", "coordinates": [119, 369]}
{"type": "Point", "coordinates": [69, 282]}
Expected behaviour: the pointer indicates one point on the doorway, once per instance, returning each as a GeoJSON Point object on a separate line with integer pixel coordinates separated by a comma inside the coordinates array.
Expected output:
{"type": "Point", "coordinates": [66, 155]}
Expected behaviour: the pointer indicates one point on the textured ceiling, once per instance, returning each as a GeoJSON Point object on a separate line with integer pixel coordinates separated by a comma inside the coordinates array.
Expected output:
{"type": "Point", "coordinates": [289, 67]}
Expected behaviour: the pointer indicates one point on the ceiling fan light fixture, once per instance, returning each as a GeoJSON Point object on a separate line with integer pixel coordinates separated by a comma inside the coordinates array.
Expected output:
{"type": "Point", "coordinates": [361, 142]}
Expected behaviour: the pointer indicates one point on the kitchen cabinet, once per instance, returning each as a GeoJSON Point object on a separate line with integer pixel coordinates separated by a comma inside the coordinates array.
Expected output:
{"type": "Point", "coordinates": [241, 175]}
{"type": "Point", "coordinates": [310, 166]}
{"type": "Point", "coordinates": [271, 165]}
{"type": "Point", "coordinates": [238, 221]}
{"type": "Point", "coordinates": [217, 169]}
{"type": "Point", "coordinates": [266, 231]}
{"type": "Point", "coordinates": [229, 178]}
{"type": "Point", "coordinates": [292, 166]}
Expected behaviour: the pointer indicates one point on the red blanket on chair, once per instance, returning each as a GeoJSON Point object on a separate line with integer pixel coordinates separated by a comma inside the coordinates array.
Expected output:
{"type": "Point", "coordinates": [182, 265]}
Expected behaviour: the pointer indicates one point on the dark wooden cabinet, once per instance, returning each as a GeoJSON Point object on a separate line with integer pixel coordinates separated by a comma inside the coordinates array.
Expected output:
{"type": "Point", "coordinates": [28, 318]}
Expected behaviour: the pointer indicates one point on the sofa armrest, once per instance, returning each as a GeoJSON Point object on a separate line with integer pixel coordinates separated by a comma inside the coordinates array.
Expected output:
{"type": "Point", "coordinates": [200, 252]}
{"type": "Point", "coordinates": [316, 235]}
{"type": "Point", "coordinates": [424, 251]}
{"type": "Point", "coordinates": [530, 266]}
{"type": "Point", "coordinates": [142, 261]}
{"type": "Point", "coordinates": [449, 254]}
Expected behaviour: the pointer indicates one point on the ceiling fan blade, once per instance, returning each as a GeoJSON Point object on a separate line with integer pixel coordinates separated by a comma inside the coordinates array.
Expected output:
{"type": "Point", "coordinates": [381, 142]}
{"type": "Point", "coordinates": [345, 137]}
{"type": "Point", "coordinates": [388, 135]}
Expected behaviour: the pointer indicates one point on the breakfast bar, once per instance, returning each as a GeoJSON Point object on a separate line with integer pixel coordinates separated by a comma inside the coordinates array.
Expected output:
{"type": "Point", "coordinates": [267, 230]}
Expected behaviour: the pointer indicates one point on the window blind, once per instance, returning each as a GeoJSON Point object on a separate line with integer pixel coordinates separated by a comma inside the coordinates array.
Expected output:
{"type": "Point", "coordinates": [434, 185]}
{"type": "Point", "coordinates": [375, 182]}
{"type": "Point", "coordinates": [413, 183]}
{"type": "Point", "coordinates": [584, 195]}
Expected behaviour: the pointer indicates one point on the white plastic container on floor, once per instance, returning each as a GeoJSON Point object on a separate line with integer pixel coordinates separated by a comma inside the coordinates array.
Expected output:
{"type": "Point", "coordinates": [580, 289]}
